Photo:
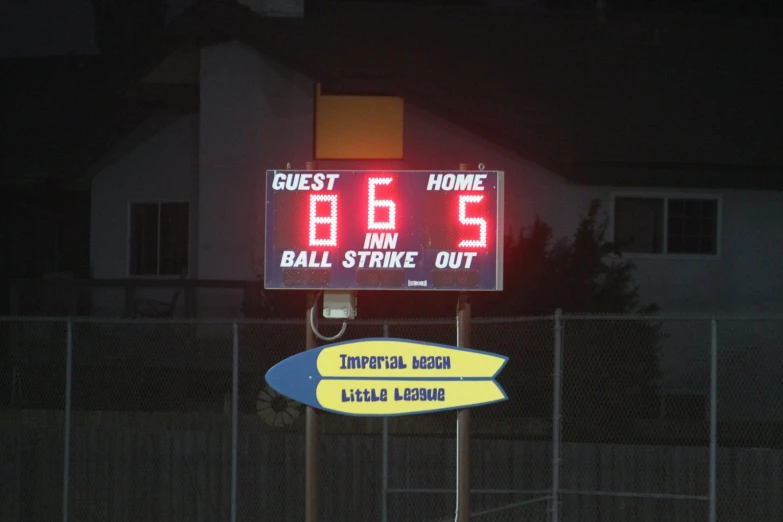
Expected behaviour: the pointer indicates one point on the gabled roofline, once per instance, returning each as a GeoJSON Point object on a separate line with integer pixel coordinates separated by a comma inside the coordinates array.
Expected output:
{"type": "Point", "coordinates": [215, 21]}
{"type": "Point", "coordinates": [241, 23]}
{"type": "Point", "coordinates": [126, 143]}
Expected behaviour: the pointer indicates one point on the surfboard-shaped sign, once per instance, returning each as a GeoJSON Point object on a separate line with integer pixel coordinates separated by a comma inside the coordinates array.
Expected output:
{"type": "Point", "coordinates": [389, 377]}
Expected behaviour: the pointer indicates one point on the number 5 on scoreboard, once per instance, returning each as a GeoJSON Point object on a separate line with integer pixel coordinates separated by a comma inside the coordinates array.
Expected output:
{"type": "Point", "coordinates": [329, 218]}
{"type": "Point", "coordinates": [481, 242]}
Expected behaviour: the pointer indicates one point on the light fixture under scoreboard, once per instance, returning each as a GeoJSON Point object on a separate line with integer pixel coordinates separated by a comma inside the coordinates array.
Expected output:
{"type": "Point", "coordinates": [384, 230]}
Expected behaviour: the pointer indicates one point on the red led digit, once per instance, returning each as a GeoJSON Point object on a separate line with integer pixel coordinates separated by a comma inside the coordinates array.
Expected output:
{"type": "Point", "coordinates": [330, 219]}
{"type": "Point", "coordinates": [373, 203]}
{"type": "Point", "coordinates": [481, 242]}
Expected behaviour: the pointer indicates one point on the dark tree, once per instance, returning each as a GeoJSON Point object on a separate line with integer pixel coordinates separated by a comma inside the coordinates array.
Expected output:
{"type": "Point", "coordinates": [610, 365]}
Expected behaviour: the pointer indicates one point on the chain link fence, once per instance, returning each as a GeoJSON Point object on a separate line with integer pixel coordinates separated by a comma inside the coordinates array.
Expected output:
{"type": "Point", "coordinates": [609, 418]}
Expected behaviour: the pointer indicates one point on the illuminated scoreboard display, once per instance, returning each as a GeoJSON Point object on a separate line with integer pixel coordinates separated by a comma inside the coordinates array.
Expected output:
{"type": "Point", "coordinates": [384, 230]}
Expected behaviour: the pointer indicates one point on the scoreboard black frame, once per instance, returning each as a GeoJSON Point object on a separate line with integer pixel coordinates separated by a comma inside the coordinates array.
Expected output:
{"type": "Point", "coordinates": [384, 230]}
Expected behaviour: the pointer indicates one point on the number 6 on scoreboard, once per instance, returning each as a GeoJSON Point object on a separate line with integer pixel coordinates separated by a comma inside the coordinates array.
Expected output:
{"type": "Point", "coordinates": [481, 242]}
{"type": "Point", "coordinates": [374, 203]}
{"type": "Point", "coordinates": [316, 220]}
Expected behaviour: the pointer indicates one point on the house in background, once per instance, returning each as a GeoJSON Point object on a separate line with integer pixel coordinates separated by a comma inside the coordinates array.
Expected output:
{"type": "Point", "coordinates": [638, 113]}
{"type": "Point", "coordinates": [631, 112]}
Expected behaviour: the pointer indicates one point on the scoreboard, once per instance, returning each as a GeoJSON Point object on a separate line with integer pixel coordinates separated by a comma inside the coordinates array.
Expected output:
{"type": "Point", "coordinates": [384, 230]}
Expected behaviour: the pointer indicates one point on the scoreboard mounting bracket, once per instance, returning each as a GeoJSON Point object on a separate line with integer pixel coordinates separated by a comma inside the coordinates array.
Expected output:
{"type": "Point", "coordinates": [339, 305]}
{"type": "Point", "coordinates": [349, 230]}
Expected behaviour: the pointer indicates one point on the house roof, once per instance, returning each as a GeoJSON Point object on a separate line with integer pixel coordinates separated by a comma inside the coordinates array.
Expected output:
{"type": "Point", "coordinates": [591, 100]}
{"type": "Point", "coordinates": [636, 100]}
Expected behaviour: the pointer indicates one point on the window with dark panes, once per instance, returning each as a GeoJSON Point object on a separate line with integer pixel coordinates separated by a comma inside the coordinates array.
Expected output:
{"type": "Point", "coordinates": [638, 224]}
{"type": "Point", "coordinates": [666, 225]}
{"type": "Point", "coordinates": [159, 238]}
{"type": "Point", "coordinates": [693, 226]}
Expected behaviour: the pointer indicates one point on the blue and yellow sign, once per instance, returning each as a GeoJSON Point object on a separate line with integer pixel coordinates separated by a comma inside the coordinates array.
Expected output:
{"type": "Point", "coordinates": [389, 377]}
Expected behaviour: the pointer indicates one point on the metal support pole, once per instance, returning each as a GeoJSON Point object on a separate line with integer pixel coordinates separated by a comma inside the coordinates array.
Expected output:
{"type": "Point", "coordinates": [311, 432]}
{"type": "Point", "coordinates": [463, 419]}
{"type": "Point", "coordinates": [556, 414]}
{"type": "Point", "coordinates": [714, 422]}
{"type": "Point", "coordinates": [234, 421]}
{"type": "Point", "coordinates": [385, 458]}
{"type": "Point", "coordinates": [311, 420]}
{"type": "Point", "coordinates": [67, 423]}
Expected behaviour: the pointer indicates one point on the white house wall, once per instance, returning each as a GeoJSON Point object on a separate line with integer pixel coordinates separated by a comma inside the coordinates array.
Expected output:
{"type": "Point", "coordinates": [742, 279]}
{"type": "Point", "coordinates": [254, 115]}
{"type": "Point", "coordinates": [160, 169]}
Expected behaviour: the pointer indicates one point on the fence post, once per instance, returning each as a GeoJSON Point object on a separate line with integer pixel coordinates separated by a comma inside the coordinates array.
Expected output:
{"type": "Point", "coordinates": [556, 414]}
{"type": "Point", "coordinates": [385, 457]}
{"type": "Point", "coordinates": [311, 426]}
{"type": "Point", "coordinates": [234, 419]}
{"type": "Point", "coordinates": [463, 417]}
{"type": "Point", "coordinates": [713, 421]}
{"type": "Point", "coordinates": [67, 423]}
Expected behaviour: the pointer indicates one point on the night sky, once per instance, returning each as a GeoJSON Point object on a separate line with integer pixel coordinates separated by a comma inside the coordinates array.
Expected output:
{"type": "Point", "coordinates": [46, 27]}
{"type": "Point", "coordinates": [66, 27]}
